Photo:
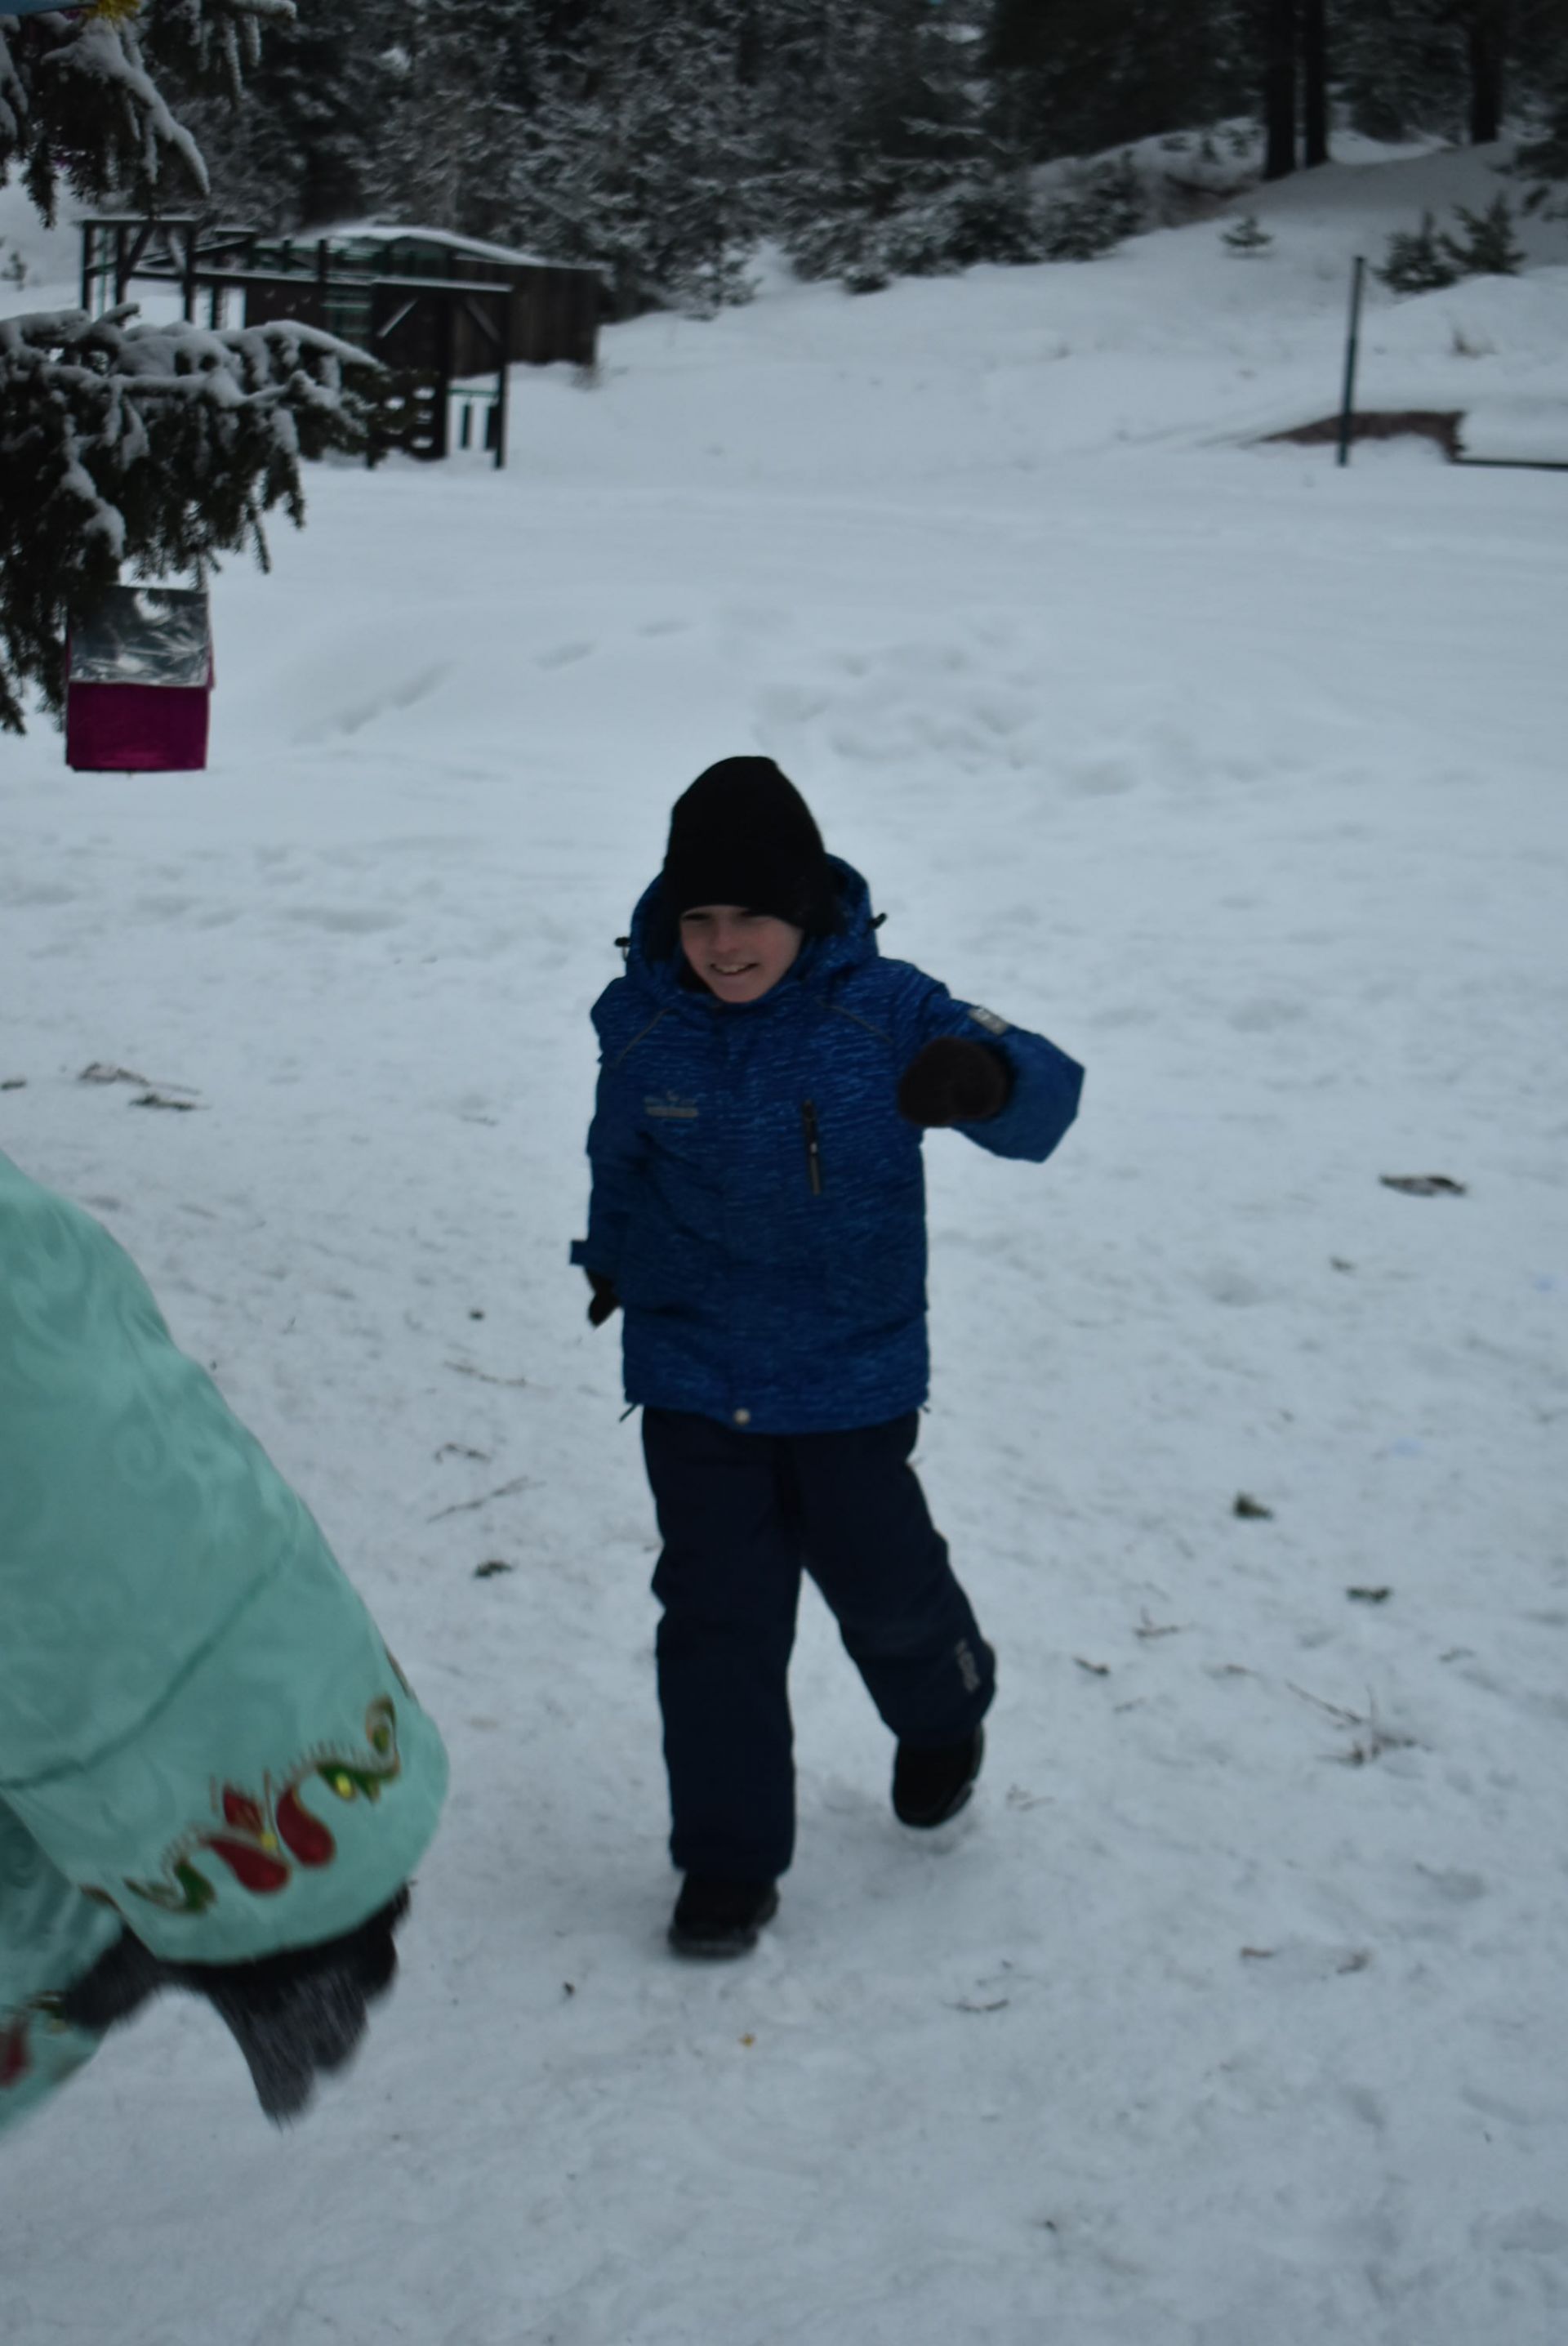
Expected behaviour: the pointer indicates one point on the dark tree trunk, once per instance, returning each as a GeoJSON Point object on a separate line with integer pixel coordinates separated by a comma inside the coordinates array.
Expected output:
{"type": "Point", "coordinates": [1488, 42]}
{"type": "Point", "coordinates": [1315, 81]}
{"type": "Point", "coordinates": [1280, 88]}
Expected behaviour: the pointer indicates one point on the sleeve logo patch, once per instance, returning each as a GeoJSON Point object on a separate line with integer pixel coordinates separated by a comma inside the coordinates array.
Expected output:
{"type": "Point", "coordinates": [988, 1019]}
{"type": "Point", "coordinates": [672, 1107]}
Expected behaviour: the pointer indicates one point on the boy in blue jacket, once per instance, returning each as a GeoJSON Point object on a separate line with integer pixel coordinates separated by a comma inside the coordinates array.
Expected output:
{"type": "Point", "coordinates": [758, 1215]}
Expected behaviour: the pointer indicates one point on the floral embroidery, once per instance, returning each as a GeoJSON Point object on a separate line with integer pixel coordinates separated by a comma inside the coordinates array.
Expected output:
{"type": "Point", "coordinates": [263, 1837]}
{"type": "Point", "coordinates": [16, 2057]}
{"type": "Point", "coordinates": [17, 2029]}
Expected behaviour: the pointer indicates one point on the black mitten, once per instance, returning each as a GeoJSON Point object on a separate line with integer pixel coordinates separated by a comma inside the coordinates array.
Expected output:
{"type": "Point", "coordinates": [952, 1081]}
{"type": "Point", "coordinates": [606, 1300]}
{"type": "Point", "coordinates": [119, 1983]}
{"type": "Point", "coordinates": [294, 2016]}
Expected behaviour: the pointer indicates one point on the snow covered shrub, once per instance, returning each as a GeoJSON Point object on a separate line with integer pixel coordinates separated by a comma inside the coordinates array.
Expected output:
{"type": "Point", "coordinates": [853, 247]}
{"type": "Point", "coordinates": [1105, 206]}
{"type": "Point", "coordinates": [932, 237]}
{"type": "Point", "coordinates": [1415, 261]}
{"type": "Point", "coordinates": [972, 221]}
{"type": "Point", "coordinates": [1428, 259]}
{"type": "Point", "coordinates": [991, 218]}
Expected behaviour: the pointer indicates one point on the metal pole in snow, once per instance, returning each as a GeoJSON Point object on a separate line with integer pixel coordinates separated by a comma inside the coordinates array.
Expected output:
{"type": "Point", "coordinates": [1352, 348]}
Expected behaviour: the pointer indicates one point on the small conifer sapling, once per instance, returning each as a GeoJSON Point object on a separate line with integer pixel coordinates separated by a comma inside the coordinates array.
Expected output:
{"type": "Point", "coordinates": [1488, 248]}
{"type": "Point", "coordinates": [1245, 235]}
{"type": "Point", "coordinates": [1416, 262]}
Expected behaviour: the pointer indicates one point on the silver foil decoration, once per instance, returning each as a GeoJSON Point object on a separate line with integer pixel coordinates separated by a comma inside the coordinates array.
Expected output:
{"type": "Point", "coordinates": [145, 635]}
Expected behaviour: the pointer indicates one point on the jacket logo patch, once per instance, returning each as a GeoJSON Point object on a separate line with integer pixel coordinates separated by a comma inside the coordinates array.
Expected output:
{"type": "Point", "coordinates": [672, 1106]}
{"type": "Point", "coordinates": [989, 1020]}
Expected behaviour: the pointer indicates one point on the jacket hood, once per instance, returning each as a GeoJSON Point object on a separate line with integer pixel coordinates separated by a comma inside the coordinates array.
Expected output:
{"type": "Point", "coordinates": [820, 957]}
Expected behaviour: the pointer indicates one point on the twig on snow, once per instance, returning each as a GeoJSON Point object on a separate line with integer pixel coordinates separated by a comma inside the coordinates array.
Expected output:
{"type": "Point", "coordinates": [469, 1507]}
{"type": "Point", "coordinates": [1377, 1740]}
{"type": "Point", "coordinates": [1147, 1629]}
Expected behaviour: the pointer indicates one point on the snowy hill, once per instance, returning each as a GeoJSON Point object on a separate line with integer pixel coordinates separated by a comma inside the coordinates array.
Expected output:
{"type": "Point", "coordinates": [1232, 2012]}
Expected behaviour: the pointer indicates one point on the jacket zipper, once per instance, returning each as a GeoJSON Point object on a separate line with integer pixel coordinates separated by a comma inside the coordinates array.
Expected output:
{"type": "Point", "coordinates": [813, 1147]}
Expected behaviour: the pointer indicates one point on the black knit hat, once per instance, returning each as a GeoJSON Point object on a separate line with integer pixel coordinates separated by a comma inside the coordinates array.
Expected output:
{"type": "Point", "coordinates": [742, 834]}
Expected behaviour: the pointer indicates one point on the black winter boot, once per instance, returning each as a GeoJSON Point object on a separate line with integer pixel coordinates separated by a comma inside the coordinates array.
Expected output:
{"type": "Point", "coordinates": [720, 1919]}
{"type": "Point", "coordinates": [934, 1784]}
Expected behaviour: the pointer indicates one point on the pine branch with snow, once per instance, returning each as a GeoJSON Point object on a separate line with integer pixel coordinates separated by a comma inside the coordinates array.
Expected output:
{"type": "Point", "coordinates": [81, 103]}
{"type": "Point", "coordinates": [144, 449]}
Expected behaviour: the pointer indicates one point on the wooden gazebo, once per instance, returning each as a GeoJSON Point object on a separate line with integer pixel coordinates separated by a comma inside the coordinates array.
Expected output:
{"type": "Point", "coordinates": [438, 311]}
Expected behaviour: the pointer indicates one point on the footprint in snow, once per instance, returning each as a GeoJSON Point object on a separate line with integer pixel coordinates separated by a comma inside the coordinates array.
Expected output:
{"type": "Point", "coordinates": [349, 920]}
{"type": "Point", "coordinates": [1101, 778]}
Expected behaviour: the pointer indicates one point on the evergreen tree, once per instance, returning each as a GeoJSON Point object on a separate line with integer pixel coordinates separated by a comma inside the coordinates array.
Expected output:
{"type": "Point", "coordinates": [638, 151]}
{"type": "Point", "coordinates": [124, 447]}
{"type": "Point", "coordinates": [829, 93]}
{"type": "Point", "coordinates": [1447, 67]}
{"type": "Point", "coordinates": [460, 76]}
{"type": "Point", "coordinates": [1399, 68]}
{"type": "Point", "coordinates": [303, 153]}
{"type": "Point", "coordinates": [1092, 74]}
{"type": "Point", "coordinates": [913, 162]}
{"type": "Point", "coordinates": [1093, 217]}
{"type": "Point", "coordinates": [1546, 152]}
{"type": "Point", "coordinates": [1488, 247]}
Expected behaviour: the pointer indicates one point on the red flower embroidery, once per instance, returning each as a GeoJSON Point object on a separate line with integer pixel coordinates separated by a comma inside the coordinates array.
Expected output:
{"type": "Point", "coordinates": [15, 2059]}
{"type": "Point", "coordinates": [264, 1833]}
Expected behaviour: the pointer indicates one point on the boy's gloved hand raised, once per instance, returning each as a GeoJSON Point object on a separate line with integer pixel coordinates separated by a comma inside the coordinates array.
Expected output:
{"type": "Point", "coordinates": [606, 1303]}
{"type": "Point", "coordinates": [955, 1082]}
{"type": "Point", "coordinates": [294, 2014]}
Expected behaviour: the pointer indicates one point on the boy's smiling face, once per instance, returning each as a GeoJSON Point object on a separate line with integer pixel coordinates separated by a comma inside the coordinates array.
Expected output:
{"type": "Point", "coordinates": [738, 955]}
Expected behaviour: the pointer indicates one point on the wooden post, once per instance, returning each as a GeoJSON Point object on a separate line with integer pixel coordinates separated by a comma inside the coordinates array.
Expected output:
{"type": "Point", "coordinates": [446, 335]}
{"type": "Point", "coordinates": [1352, 346]}
{"type": "Point", "coordinates": [503, 371]}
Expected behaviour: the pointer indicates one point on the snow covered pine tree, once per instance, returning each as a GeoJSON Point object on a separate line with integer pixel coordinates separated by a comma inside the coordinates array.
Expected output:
{"type": "Point", "coordinates": [122, 446]}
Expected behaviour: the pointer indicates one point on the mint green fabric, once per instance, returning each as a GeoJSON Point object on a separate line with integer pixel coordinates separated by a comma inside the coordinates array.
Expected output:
{"type": "Point", "coordinates": [50, 1934]}
{"type": "Point", "coordinates": [201, 1732]}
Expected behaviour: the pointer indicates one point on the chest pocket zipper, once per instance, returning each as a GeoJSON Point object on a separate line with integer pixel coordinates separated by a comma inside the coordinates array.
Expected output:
{"type": "Point", "coordinates": [813, 1147]}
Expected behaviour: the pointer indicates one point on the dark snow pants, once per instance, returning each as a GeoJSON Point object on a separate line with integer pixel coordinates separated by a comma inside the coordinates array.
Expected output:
{"type": "Point", "coordinates": [740, 1515]}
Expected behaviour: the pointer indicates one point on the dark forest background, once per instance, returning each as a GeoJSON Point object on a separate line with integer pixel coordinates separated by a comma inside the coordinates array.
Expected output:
{"type": "Point", "coordinates": [870, 139]}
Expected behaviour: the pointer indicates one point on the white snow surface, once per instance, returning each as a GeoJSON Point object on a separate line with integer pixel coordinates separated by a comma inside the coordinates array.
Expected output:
{"type": "Point", "coordinates": [1233, 2010]}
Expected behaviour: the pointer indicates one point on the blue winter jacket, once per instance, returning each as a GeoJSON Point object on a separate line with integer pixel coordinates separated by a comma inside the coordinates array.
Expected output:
{"type": "Point", "coordinates": [757, 1200]}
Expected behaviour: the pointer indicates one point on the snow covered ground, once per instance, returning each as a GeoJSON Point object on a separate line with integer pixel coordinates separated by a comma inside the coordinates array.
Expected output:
{"type": "Point", "coordinates": [1232, 2011]}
